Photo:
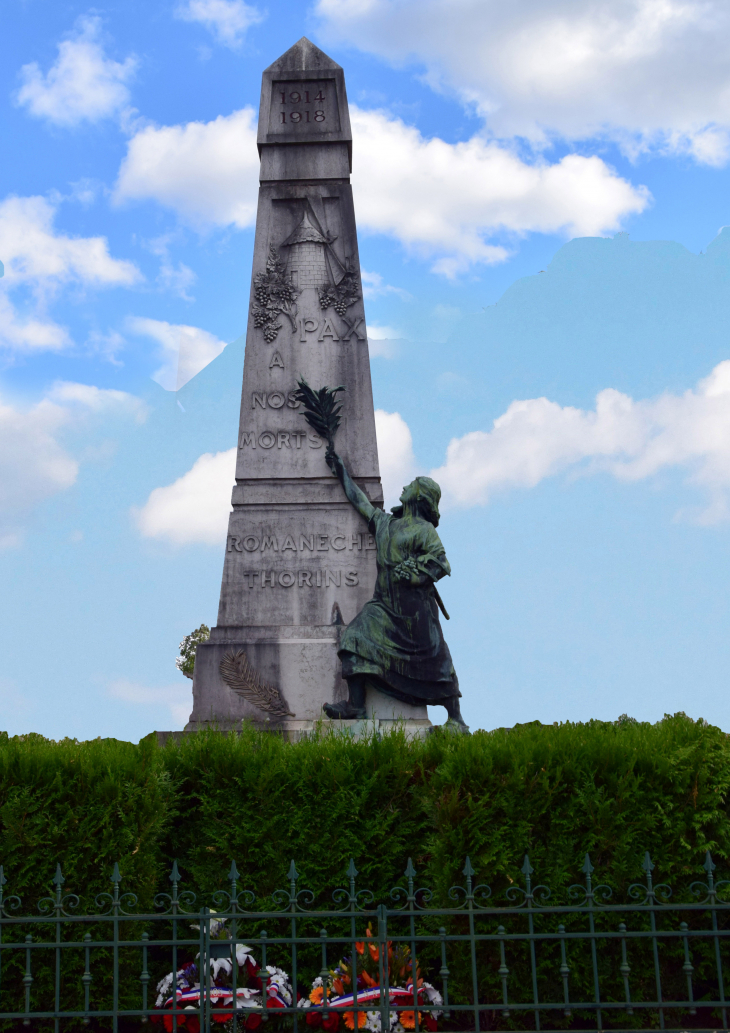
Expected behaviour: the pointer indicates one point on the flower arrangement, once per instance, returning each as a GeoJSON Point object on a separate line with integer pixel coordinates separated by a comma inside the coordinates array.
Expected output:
{"type": "Point", "coordinates": [339, 993]}
{"type": "Point", "coordinates": [249, 986]}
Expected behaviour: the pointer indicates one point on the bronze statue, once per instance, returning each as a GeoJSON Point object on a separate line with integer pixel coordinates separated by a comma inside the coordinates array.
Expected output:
{"type": "Point", "coordinates": [395, 644]}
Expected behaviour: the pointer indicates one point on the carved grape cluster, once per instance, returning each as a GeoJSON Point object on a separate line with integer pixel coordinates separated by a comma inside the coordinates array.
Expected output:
{"type": "Point", "coordinates": [273, 295]}
{"type": "Point", "coordinates": [341, 295]}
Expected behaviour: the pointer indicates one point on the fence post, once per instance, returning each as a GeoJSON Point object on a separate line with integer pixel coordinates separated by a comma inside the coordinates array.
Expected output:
{"type": "Point", "coordinates": [384, 963]}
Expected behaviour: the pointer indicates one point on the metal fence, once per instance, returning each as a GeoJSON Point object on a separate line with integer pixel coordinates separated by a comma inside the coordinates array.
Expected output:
{"type": "Point", "coordinates": [519, 958]}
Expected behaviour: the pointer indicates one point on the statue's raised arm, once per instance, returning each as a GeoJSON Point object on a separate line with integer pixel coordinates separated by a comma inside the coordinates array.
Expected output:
{"type": "Point", "coordinates": [355, 495]}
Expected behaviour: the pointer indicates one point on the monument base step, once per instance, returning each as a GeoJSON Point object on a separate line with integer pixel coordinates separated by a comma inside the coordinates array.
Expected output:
{"type": "Point", "coordinates": [293, 730]}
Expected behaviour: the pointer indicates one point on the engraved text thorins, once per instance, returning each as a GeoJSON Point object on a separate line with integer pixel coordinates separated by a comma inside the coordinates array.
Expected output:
{"type": "Point", "coordinates": [299, 561]}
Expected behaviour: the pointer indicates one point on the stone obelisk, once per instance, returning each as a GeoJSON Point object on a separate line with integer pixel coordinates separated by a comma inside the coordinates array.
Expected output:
{"type": "Point", "coordinates": [299, 561]}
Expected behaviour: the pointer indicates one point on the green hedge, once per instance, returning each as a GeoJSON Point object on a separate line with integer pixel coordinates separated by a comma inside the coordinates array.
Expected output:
{"type": "Point", "coordinates": [614, 790]}
{"type": "Point", "coordinates": [555, 792]}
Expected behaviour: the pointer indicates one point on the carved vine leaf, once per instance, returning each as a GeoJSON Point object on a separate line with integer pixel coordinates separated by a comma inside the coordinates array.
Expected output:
{"type": "Point", "coordinates": [274, 296]}
{"type": "Point", "coordinates": [341, 295]}
{"type": "Point", "coordinates": [239, 675]}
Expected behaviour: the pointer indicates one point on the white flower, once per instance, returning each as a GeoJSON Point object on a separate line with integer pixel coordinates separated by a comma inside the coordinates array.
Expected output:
{"type": "Point", "coordinates": [433, 997]}
{"type": "Point", "coordinates": [218, 964]}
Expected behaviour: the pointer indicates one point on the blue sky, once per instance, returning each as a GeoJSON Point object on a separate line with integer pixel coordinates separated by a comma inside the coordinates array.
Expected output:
{"type": "Point", "coordinates": [540, 191]}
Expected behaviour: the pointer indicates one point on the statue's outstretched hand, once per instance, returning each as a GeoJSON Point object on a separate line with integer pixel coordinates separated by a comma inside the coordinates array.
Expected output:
{"type": "Point", "coordinates": [334, 462]}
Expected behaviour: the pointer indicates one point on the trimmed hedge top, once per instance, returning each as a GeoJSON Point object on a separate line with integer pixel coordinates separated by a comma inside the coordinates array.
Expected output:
{"type": "Point", "coordinates": [556, 792]}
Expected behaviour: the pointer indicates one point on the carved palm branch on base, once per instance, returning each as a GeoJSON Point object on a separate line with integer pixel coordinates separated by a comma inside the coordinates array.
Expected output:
{"type": "Point", "coordinates": [321, 410]}
{"type": "Point", "coordinates": [239, 675]}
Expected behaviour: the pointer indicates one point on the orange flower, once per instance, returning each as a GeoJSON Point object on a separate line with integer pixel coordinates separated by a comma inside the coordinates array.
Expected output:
{"type": "Point", "coordinates": [369, 981]}
{"type": "Point", "coordinates": [349, 1017]}
{"type": "Point", "coordinates": [360, 947]}
{"type": "Point", "coordinates": [408, 1019]}
{"type": "Point", "coordinates": [338, 987]}
{"type": "Point", "coordinates": [316, 995]}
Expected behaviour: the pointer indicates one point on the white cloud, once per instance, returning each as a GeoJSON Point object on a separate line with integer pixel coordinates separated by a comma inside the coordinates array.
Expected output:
{"type": "Point", "coordinates": [41, 259]}
{"type": "Point", "coordinates": [177, 698]}
{"type": "Point", "coordinates": [395, 454]}
{"type": "Point", "coordinates": [96, 399]}
{"type": "Point", "coordinates": [177, 280]}
{"type": "Point", "coordinates": [185, 349]}
{"type": "Point", "coordinates": [34, 251]}
{"type": "Point", "coordinates": [26, 333]}
{"type": "Point", "coordinates": [207, 172]}
{"type": "Point", "coordinates": [439, 199]}
{"type": "Point", "coordinates": [447, 199]}
{"type": "Point", "coordinates": [646, 73]}
{"type": "Point", "coordinates": [228, 20]}
{"type": "Point", "coordinates": [195, 507]}
{"type": "Point", "coordinates": [83, 84]}
{"type": "Point", "coordinates": [382, 333]}
{"type": "Point", "coordinates": [374, 285]}
{"type": "Point", "coordinates": [35, 462]}
{"type": "Point", "coordinates": [631, 440]}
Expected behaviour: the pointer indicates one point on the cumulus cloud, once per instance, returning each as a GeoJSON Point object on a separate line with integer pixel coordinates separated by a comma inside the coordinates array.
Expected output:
{"type": "Point", "coordinates": [629, 439]}
{"type": "Point", "coordinates": [374, 285]}
{"type": "Point", "coordinates": [177, 698]}
{"type": "Point", "coordinates": [649, 74]}
{"type": "Point", "coordinates": [83, 84]}
{"type": "Point", "coordinates": [439, 199]}
{"type": "Point", "coordinates": [41, 259]}
{"type": "Point", "coordinates": [228, 20]}
{"type": "Point", "coordinates": [27, 333]}
{"type": "Point", "coordinates": [207, 172]}
{"type": "Point", "coordinates": [395, 454]}
{"type": "Point", "coordinates": [35, 461]}
{"type": "Point", "coordinates": [33, 250]}
{"type": "Point", "coordinates": [185, 349]}
{"type": "Point", "coordinates": [195, 507]}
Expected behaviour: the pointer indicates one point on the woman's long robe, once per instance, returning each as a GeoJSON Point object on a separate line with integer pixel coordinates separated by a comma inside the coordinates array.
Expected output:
{"type": "Point", "coordinates": [396, 639]}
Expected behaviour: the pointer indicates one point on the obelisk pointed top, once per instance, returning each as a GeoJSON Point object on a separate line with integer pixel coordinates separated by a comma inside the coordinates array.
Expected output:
{"type": "Point", "coordinates": [303, 101]}
{"type": "Point", "coordinates": [304, 57]}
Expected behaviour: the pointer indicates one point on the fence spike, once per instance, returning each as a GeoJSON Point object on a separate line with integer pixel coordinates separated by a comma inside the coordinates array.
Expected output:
{"type": "Point", "coordinates": [233, 875]}
{"type": "Point", "coordinates": [58, 879]}
{"type": "Point", "coordinates": [352, 872]}
{"type": "Point", "coordinates": [587, 868]}
{"type": "Point", "coordinates": [467, 869]}
{"type": "Point", "coordinates": [116, 877]}
{"type": "Point", "coordinates": [527, 868]}
{"type": "Point", "coordinates": [3, 880]}
{"type": "Point", "coordinates": [647, 864]}
{"type": "Point", "coordinates": [292, 874]}
{"type": "Point", "coordinates": [174, 874]}
{"type": "Point", "coordinates": [410, 871]}
{"type": "Point", "coordinates": [709, 864]}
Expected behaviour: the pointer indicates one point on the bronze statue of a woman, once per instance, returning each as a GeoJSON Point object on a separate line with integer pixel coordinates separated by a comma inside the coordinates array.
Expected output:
{"type": "Point", "coordinates": [395, 644]}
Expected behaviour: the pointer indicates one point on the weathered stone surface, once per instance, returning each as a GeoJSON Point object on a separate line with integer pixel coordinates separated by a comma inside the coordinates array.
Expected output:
{"type": "Point", "coordinates": [299, 561]}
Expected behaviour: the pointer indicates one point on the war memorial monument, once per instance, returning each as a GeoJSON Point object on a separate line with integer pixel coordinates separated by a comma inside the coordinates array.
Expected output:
{"type": "Point", "coordinates": [328, 608]}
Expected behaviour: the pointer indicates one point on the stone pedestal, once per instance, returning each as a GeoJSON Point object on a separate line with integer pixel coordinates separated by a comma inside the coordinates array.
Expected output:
{"type": "Point", "coordinates": [299, 561]}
